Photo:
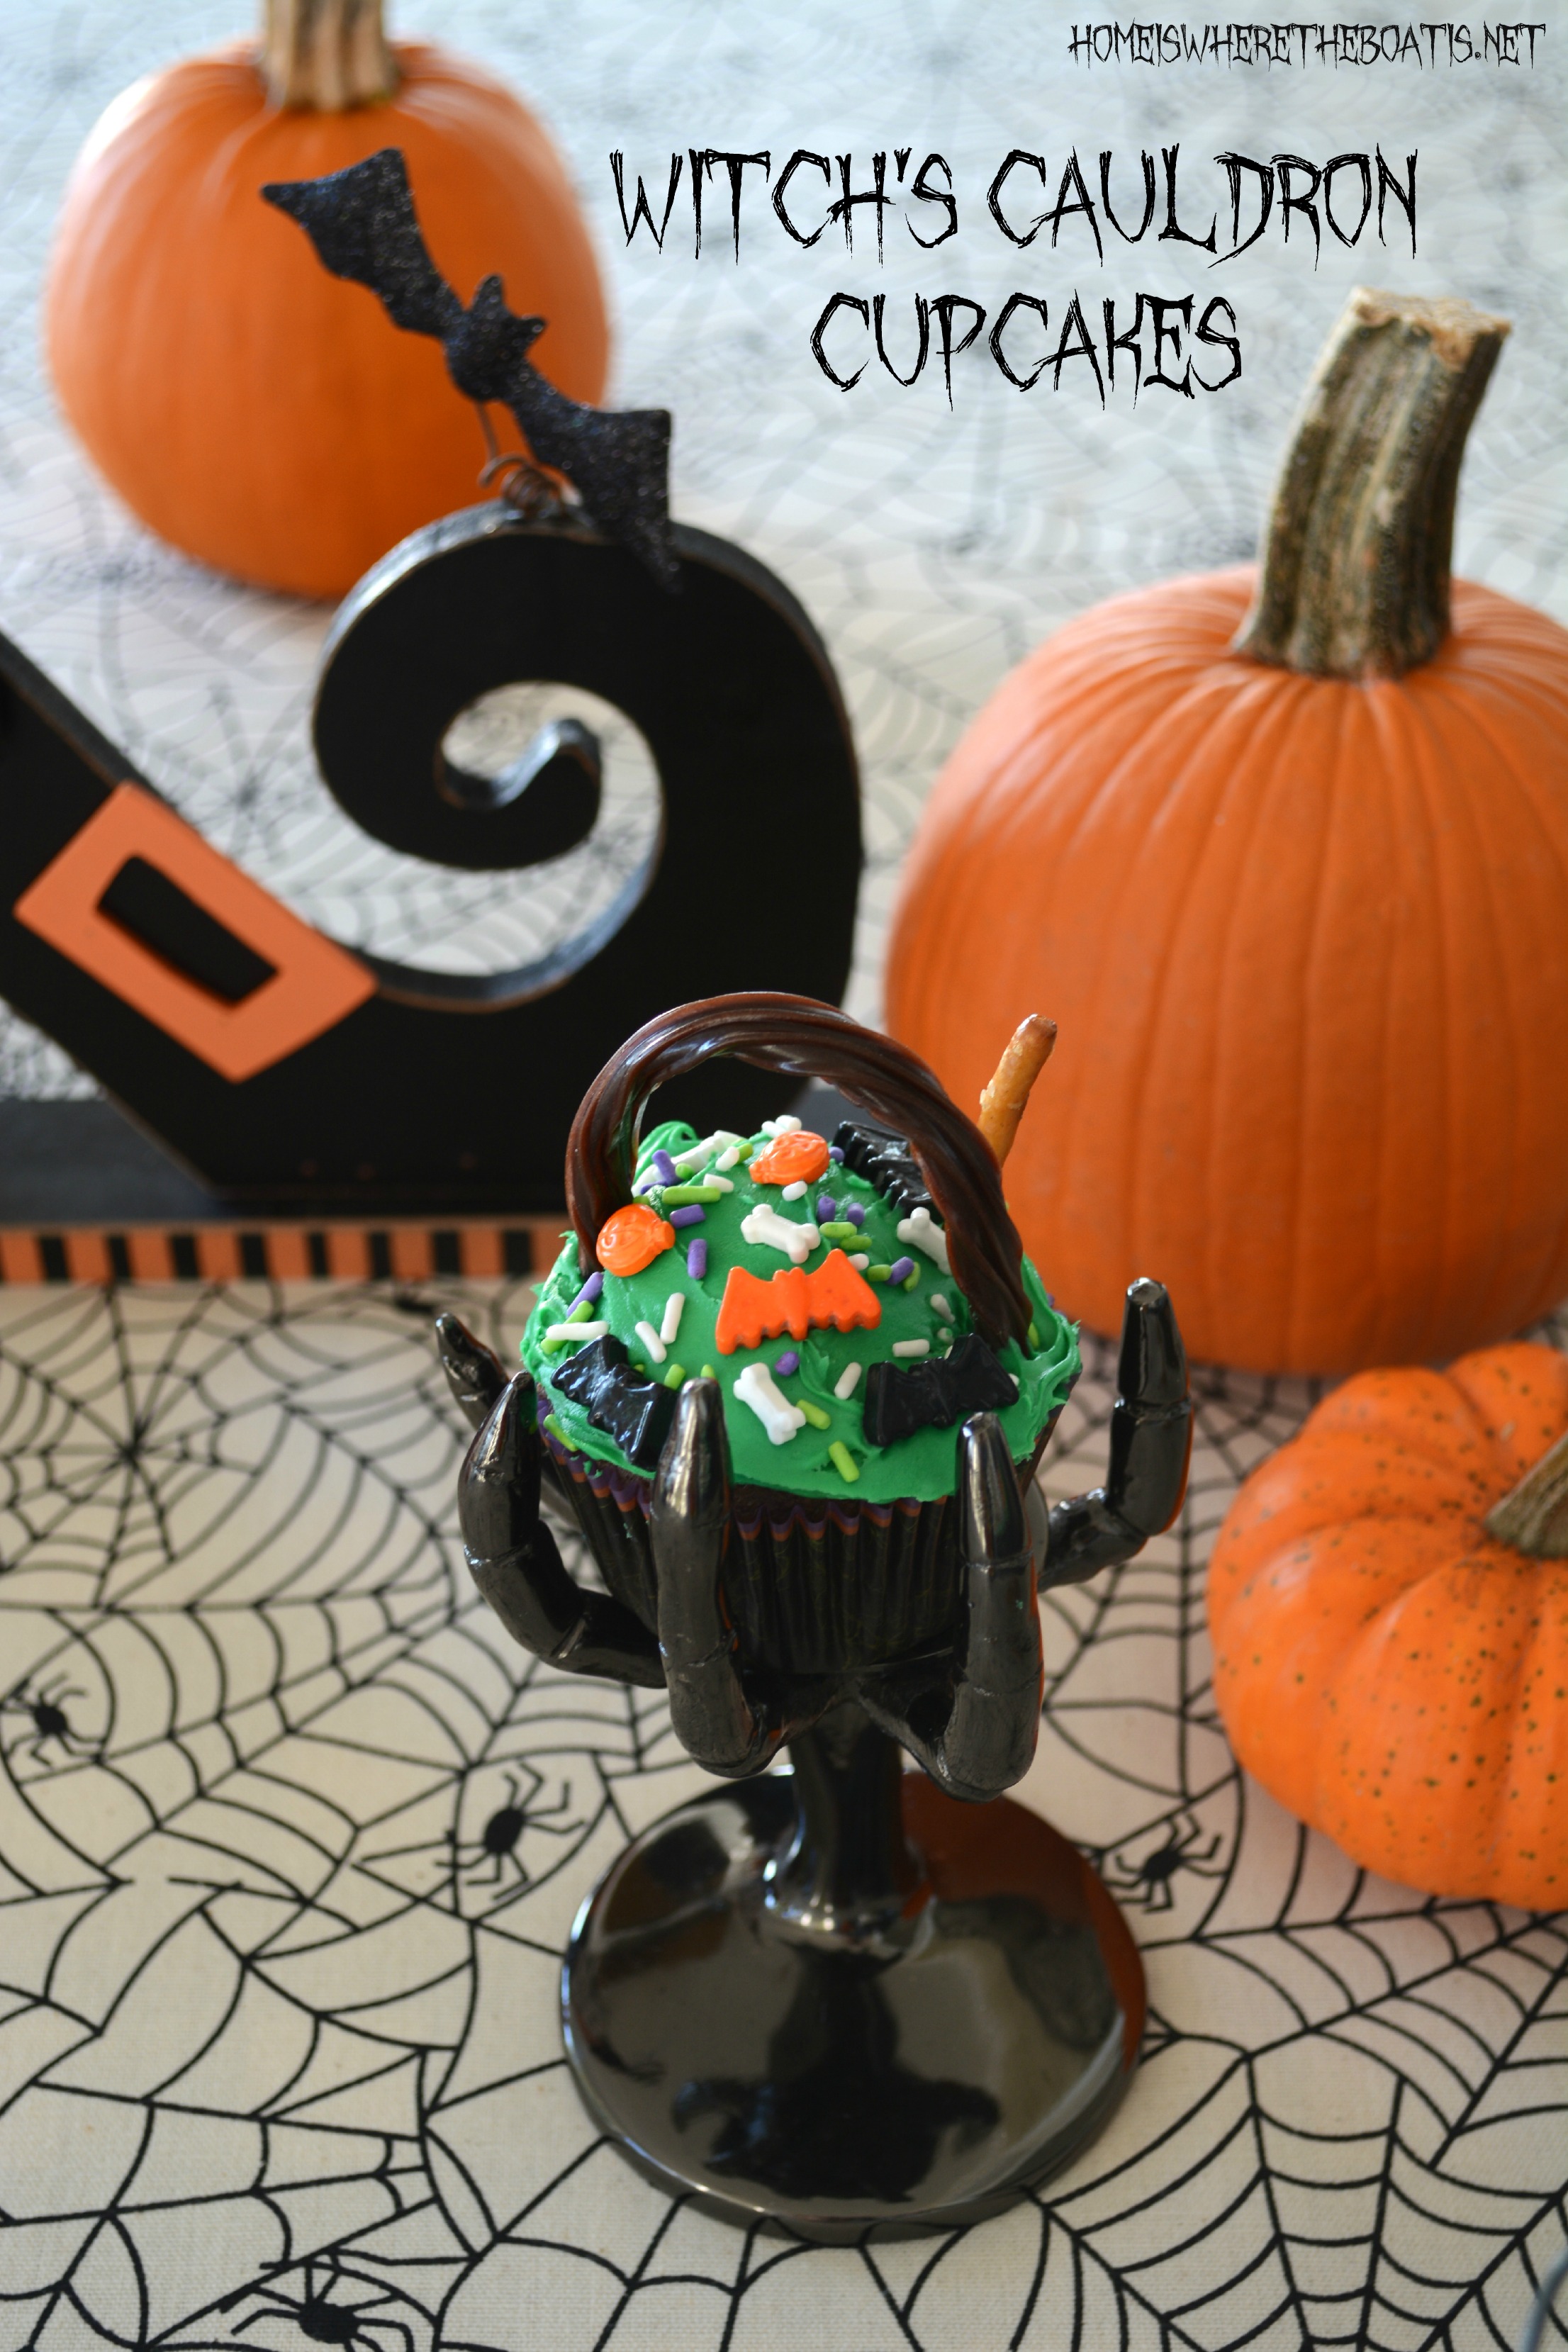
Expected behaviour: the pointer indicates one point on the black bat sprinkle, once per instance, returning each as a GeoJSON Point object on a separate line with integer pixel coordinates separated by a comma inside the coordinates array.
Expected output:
{"type": "Point", "coordinates": [364, 226]}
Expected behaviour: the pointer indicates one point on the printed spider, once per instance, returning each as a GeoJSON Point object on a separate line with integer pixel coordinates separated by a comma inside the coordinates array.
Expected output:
{"type": "Point", "coordinates": [1151, 1877]}
{"type": "Point", "coordinates": [50, 1721]}
{"type": "Point", "coordinates": [320, 2320]}
{"type": "Point", "coordinates": [497, 1841]}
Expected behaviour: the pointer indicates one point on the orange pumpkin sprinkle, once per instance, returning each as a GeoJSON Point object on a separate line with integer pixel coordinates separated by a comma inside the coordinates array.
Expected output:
{"type": "Point", "coordinates": [798, 1157]}
{"type": "Point", "coordinates": [632, 1239]}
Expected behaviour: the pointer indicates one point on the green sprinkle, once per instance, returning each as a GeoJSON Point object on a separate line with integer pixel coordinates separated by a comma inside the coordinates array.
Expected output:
{"type": "Point", "coordinates": [745, 1151]}
{"type": "Point", "coordinates": [840, 1229]}
{"type": "Point", "coordinates": [1033, 1335]}
{"type": "Point", "coordinates": [553, 1426]}
{"type": "Point", "coordinates": [877, 1273]}
{"type": "Point", "coordinates": [640, 1367]}
{"type": "Point", "coordinates": [676, 1377]}
{"type": "Point", "coordinates": [843, 1461]}
{"type": "Point", "coordinates": [911, 1282]}
{"type": "Point", "coordinates": [815, 1414]}
{"type": "Point", "coordinates": [708, 1373]}
{"type": "Point", "coordinates": [681, 1196]}
{"type": "Point", "coordinates": [584, 1311]}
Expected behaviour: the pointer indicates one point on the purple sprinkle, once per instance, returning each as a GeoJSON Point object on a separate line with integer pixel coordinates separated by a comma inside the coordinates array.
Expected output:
{"type": "Point", "coordinates": [788, 1362]}
{"type": "Point", "coordinates": [900, 1269]}
{"type": "Point", "coordinates": [854, 1212]}
{"type": "Point", "coordinates": [690, 1215]}
{"type": "Point", "coordinates": [664, 1167]}
{"type": "Point", "coordinates": [834, 1153]}
{"type": "Point", "coordinates": [592, 1288]}
{"type": "Point", "coordinates": [697, 1259]}
{"type": "Point", "coordinates": [826, 1208]}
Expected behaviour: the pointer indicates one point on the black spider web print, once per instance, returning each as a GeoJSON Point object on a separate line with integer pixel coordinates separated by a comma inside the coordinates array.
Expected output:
{"type": "Point", "coordinates": [292, 1840]}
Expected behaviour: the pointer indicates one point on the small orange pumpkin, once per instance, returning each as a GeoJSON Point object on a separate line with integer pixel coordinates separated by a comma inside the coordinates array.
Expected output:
{"type": "Point", "coordinates": [255, 412]}
{"type": "Point", "coordinates": [1294, 882]}
{"type": "Point", "coordinates": [1391, 1649]}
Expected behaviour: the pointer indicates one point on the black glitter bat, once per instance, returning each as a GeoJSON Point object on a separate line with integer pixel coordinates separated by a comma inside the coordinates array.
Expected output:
{"type": "Point", "coordinates": [364, 226]}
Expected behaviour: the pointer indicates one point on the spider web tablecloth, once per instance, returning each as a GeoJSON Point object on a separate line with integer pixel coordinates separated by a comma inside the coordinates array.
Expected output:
{"type": "Point", "coordinates": [289, 1838]}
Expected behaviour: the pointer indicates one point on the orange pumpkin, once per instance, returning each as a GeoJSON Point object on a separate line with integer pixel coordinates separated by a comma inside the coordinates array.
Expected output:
{"type": "Point", "coordinates": [253, 411]}
{"type": "Point", "coordinates": [1391, 1656]}
{"type": "Point", "coordinates": [1299, 901]}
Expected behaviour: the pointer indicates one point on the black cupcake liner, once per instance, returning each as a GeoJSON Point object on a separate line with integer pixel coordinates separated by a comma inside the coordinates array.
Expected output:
{"type": "Point", "coordinates": [812, 1586]}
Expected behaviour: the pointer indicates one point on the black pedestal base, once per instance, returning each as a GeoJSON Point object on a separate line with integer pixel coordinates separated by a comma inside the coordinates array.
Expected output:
{"type": "Point", "coordinates": [762, 2017]}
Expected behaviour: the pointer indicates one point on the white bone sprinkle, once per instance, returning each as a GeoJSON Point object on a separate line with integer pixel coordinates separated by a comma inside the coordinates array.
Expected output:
{"type": "Point", "coordinates": [650, 1340]}
{"type": "Point", "coordinates": [844, 1386]}
{"type": "Point", "coordinates": [674, 1307]}
{"type": "Point", "coordinates": [860, 1260]}
{"type": "Point", "coordinates": [788, 1125]}
{"type": "Point", "coordinates": [912, 1347]}
{"type": "Point", "coordinates": [922, 1231]}
{"type": "Point", "coordinates": [939, 1305]}
{"type": "Point", "coordinates": [722, 1138]}
{"type": "Point", "coordinates": [781, 1418]}
{"type": "Point", "coordinates": [766, 1229]}
{"type": "Point", "coordinates": [568, 1334]}
{"type": "Point", "coordinates": [796, 1192]}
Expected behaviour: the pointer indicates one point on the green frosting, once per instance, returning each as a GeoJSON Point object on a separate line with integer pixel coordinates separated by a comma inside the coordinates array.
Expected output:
{"type": "Point", "coordinates": [921, 1465]}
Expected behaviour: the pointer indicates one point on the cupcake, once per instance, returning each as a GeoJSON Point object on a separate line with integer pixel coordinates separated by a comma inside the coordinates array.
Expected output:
{"type": "Point", "coordinates": [856, 1297]}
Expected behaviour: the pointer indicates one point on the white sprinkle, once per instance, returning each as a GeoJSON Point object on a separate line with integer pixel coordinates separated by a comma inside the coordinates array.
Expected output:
{"type": "Point", "coordinates": [796, 1192]}
{"type": "Point", "coordinates": [674, 1308]}
{"type": "Point", "coordinates": [781, 1418]}
{"type": "Point", "coordinates": [650, 1340]}
{"type": "Point", "coordinates": [766, 1229]}
{"type": "Point", "coordinates": [695, 1153]}
{"type": "Point", "coordinates": [921, 1230]}
{"type": "Point", "coordinates": [844, 1386]}
{"type": "Point", "coordinates": [912, 1347]}
{"type": "Point", "coordinates": [785, 1126]}
{"type": "Point", "coordinates": [860, 1260]}
{"type": "Point", "coordinates": [727, 1158]}
{"type": "Point", "coordinates": [571, 1332]}
{"type": "Point", "coordinates": [939, 1305]}
{"type": "Point", "coordinates": [647, 1182]}
{"type": "Point", "coordinates": [722, 1181]}
{"type": "Point", "coordinates": [944, 1335]}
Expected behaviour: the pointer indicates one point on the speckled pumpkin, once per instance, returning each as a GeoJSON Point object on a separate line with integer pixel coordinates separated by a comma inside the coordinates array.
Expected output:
{"type": "Point", "coordinates": [1388, 1668]}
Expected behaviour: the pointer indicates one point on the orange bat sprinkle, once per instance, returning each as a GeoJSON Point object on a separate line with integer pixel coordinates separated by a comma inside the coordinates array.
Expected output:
{"type": "Point", "coordinates": [632, 1239]}
{"type": "Point", "coordinates": [798, 1157]}
{"type": "Point", "coordinates": [794, 1301]}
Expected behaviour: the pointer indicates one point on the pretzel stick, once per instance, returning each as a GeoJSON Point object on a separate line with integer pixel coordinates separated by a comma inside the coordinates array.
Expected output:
{"type": "Point", "coordinates": [1004, 1101]}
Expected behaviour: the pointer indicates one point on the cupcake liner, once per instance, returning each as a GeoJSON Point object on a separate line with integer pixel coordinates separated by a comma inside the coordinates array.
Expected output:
{"type": "Point", "coordinates": [811, 1587]}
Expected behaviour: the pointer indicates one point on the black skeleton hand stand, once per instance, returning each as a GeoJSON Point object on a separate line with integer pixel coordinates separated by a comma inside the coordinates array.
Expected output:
{"type": "Point", "coordinates": [844, 1996]}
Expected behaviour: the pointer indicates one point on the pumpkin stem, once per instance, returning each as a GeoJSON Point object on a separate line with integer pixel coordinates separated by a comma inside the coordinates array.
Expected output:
{"type": "Point", "coordinates": [1534, 1515]}
{"type": "Point", "coordinates": [328, 55]}
{"type": "Point", "coordinates": [1354, 580]}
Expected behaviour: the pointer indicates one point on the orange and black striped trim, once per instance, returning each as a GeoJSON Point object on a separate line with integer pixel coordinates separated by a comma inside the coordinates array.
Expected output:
{"type": "Point", "coordinates": [344, 1252]}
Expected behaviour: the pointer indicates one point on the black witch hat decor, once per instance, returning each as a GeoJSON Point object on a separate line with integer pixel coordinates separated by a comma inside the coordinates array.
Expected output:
{"type": "Point", "coordinates": [294, 1077]}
